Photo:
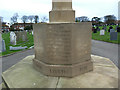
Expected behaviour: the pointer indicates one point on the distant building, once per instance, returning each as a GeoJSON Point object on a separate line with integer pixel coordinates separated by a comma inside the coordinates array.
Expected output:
{"type": "Point", "coordinates": [119, 10]}
{"type": "Point", "coordinates": [5, 27]}
{"type": "Point", "coordinates": [20, 26]}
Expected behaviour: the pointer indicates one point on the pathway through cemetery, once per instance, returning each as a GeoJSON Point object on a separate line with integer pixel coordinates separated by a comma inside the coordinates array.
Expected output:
{"type": "Point", "coordinates": [7, 62]}
{"type": "Point", "coordinates": [98, 48]}
{"type": "Point", "coordinates": [105, 49]}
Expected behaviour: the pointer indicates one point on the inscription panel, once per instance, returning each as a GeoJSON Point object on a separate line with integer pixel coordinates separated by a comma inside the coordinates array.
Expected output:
{"type": "Point", "coordinates": [58, 44]}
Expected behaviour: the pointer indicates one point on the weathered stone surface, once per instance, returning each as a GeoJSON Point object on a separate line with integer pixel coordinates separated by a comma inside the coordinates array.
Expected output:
{"type": "Point", "coordinates": [21, 36]}
{"type": "Point", "coordinates": [62, 11]}
{"type": "Point", "coordinates": [61, 4]}
{"type": "Point", "coordinates": [63, 70]}
{"type": "Point", "coordinates": [23, 75]}
{"type": "Point", "coordinates": [63, 44]}
{"type": "Point", "coordinates": [62, 16]}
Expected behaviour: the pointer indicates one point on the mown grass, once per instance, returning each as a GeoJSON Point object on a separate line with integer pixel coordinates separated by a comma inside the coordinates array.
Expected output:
{"type": "Point", "coordinates": [6, 37]}
{"type": "Point", "coordinates": [106, 37]}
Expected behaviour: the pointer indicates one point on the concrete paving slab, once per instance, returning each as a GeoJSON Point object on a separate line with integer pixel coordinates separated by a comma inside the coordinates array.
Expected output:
{"type": "Point", "coordinates": [23, 75]}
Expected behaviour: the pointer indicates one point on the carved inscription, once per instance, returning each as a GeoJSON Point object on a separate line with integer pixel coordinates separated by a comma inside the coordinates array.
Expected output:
{"type": "Point", "coordinates": [57, 71]}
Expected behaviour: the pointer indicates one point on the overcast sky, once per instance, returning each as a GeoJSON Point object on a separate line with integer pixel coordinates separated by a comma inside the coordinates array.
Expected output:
{"type": "Point", "coordinates": [89, 8]}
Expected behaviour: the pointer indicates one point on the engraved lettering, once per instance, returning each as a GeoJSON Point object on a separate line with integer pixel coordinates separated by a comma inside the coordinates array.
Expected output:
{"type": "Point", "coordinates": [57, 71]}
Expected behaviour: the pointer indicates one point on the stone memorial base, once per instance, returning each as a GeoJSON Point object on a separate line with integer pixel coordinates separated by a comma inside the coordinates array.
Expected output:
{"type": "Point", "coordinates": [23, 75]}
{"type": "Point", "coordinates": [63, 70]}
{"type": "Point", "coordinates": [63, 49]}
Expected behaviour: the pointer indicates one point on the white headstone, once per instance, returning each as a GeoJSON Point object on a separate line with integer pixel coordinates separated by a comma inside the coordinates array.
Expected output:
{"type": "Point", "coordinates": [32, 32]}
{"type": "Point", "coordinates": [102, 32]}
{"type": "Point", "coordinates": [12, 38]}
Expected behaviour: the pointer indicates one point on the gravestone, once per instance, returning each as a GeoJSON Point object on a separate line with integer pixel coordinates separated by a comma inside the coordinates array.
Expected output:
{"type": "Point", "coordinates": [12, 38]}
{"type": "Point", "coordinates": [98, 29]}
{"type": "Point", "coordinates": [118, 29]}
{"type": "Point", "coordinates": [62, 47]}
{"type": "Point", "coordinates": [3, 46]}
{"type": "Point", "coordinates": [21, 36]}
{"type": "Point", "coordinates": [95, 31]}
{"type": "Point", "coordinates": [32, 32]}
{"type": "Point", "coordinates": [112, 30]}
{"type": "Point", "coordinates": [102, 32]}
{"type": "Point", "coordinates": [24, 36]}
{"type": "Point", "coordinates": [113, 36]}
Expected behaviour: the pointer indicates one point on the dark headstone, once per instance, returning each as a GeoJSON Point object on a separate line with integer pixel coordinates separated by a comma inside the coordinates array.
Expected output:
{"type": "Point", "coordinates": [98, 29]}
{"type": "Point", "coordinates": [118, 29]}
{"type": "Point", "coordinates": [113, 36]}
{"type": "Point", "coordinates": [95, 31]}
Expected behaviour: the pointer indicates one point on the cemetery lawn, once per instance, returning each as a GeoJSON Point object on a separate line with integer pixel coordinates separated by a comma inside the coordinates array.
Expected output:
{"type": "Point", "coordinates": [6, 37]}
{"type": "Point", "coordinates": [105, 38]}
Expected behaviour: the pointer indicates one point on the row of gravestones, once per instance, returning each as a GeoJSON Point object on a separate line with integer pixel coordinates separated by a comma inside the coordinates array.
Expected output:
{"type": "Point", "coordinates": [105, 28]}
{"type": "Point", "coordinates": [14, 37]}
{"type": "Point", "coordinates": [113, 34]}
{"type": "Point", "coordinates": [18, 36]}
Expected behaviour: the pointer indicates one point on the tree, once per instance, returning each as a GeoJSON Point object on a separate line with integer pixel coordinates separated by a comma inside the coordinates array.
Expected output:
{"type": "Point", "coordinates": [44, 19]}
{"type": "Point", "coordinates": [14, 18]}
{"type": "Point", "coordinates": [24, 18]}
{"type": "Point", "coordinates": [28, 27]}
{"type": "Point", "coordinates": [31, 18]}
{"type": "Point", "coordinates": [76, 20]}
{"type": "Point", "coordinates": [96, 20]}
{"type": "Point", "coordinates": [36, 19]}
{"type": "Point", "coordinates": [83, 19]}
{"type": "Point", "coordinates": [110, 19]}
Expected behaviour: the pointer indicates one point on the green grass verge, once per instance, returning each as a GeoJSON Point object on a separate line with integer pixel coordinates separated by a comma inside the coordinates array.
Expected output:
{"type": "Point", "coordinates": [106, 37]}
{"type": "Point", "coordinates": [6, 37]}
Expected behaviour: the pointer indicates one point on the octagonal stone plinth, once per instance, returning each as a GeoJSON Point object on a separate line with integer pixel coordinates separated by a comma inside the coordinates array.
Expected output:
{"type": "Point", "coordinates": [63, 49]}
